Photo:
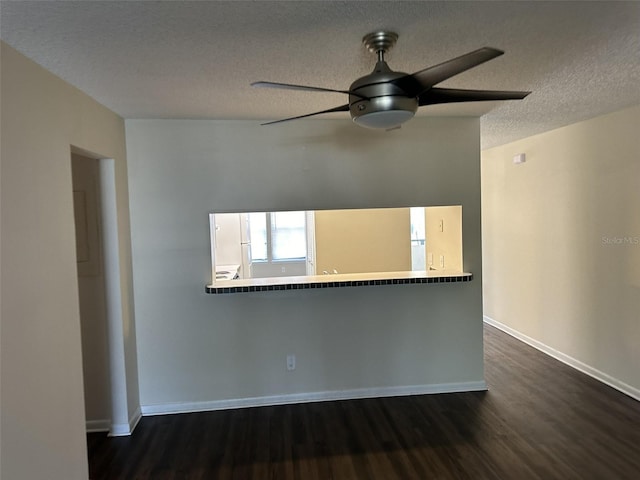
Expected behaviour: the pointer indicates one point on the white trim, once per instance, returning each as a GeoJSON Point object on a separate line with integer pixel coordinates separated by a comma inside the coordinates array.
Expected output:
{"type": "Point", "coordinates": [94, 426]}
{"type": "Point", "coordinates": [113, 295]}
{"type": "Point", "coordinates": [135, 419]}
{"type": "Point", "coordinates": [125, 429]}
{"type": "Point", "coordinates": [188, 407]}
{"type": "Point", "coordinates": [566, 359]}
{"type": "Point", "coordinates": [123, 420]}
{"type": "Point", "coordinates": [119, 430]}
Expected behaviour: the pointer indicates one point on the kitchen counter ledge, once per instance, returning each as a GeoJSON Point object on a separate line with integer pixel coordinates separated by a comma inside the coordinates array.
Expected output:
{"type": "Point", "coordinates": [338, 280]}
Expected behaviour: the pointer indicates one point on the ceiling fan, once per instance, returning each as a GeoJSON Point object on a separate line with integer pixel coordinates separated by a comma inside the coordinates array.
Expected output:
{"type": "Point", "coordinates": [386, 99]}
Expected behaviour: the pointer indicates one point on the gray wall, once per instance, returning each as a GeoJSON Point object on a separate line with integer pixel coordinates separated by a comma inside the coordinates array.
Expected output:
{"type": "Point", "coordinates": [196, 349]}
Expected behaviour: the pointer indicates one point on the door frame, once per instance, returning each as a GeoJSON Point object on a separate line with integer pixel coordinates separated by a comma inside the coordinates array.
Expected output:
{"type": "Point", "coordinates": [121, 422]}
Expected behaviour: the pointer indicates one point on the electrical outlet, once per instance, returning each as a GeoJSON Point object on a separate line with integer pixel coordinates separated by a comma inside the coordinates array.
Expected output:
{"type": "Point", "coordinates": [441, 261]}
{"type": "Point", "coordinates": [283, 269]}
{"type": "Point", "coordinates": [441, 225]}
{"type": "Point", "coordinates": [291, 362]}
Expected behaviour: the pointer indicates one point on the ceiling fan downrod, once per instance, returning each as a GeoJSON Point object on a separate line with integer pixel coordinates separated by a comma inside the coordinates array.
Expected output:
{"type": "Point", "coordinates": [380, 43]}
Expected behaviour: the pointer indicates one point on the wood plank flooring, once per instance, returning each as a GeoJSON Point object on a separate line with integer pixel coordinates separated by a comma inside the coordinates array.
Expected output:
{"type": "Point", "coordinates": [540, 419]}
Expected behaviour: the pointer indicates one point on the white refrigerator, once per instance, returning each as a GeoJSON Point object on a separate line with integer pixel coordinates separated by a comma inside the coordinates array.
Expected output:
{"type": "Point", "coordinates": [231, 239]}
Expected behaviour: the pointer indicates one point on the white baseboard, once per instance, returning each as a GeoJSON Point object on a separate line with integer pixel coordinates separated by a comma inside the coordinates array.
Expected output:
{"type": "Point", "coordinates": [125, 429]}
{"type": "Point", "coordinates": [188, 407]}
{"type": "Point", "coordinates": [135, 419]}
{"type": "Point", "coordinates": [94, 426]}
{"type": "Point", "coordinates": [566, 359]}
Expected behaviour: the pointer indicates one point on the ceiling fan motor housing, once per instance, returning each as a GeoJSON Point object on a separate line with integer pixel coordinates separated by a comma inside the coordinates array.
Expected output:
{"type": "Point", "coordinates": [376, 102]}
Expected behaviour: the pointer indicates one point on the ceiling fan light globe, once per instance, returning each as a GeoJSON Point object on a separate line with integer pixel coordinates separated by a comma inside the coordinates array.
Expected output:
{"type": "Point", "coordinates": [385, 111]}
{"type": "Point", "coordinates": [385, 119]}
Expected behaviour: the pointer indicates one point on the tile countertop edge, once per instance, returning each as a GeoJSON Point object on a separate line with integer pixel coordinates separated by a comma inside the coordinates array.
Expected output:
{"type": "Point", "coordinates": [337, 281]}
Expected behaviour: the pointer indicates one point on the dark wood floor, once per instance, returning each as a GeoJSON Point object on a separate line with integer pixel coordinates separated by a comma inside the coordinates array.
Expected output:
{"type": "Point", "coordinates": [539, 420]}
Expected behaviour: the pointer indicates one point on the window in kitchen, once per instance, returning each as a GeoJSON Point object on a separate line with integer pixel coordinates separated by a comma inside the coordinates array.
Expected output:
{"type": "Point", "coordinates": [278, 236]}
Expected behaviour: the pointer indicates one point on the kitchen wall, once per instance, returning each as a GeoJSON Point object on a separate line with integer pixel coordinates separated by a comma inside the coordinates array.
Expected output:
{"type": "Point", "coordinates": [561, 237]}
{"type": "Point", "coordinates": [279, 269]}
{"type": "Point", "coordinates": [361, 241]}
{"type": "Point", "coordinates": [199, 351]}
{"type": "Point", "coordinates": [443, 226]}
{"type": "Point", "coordinates": [42, 416]}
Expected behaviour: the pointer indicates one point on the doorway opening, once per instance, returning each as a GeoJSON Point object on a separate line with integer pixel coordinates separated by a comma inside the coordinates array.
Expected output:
{"type": "Point", "coordinates": [104, 331]}
{"type": "Point", "coordinates": [91, 291]}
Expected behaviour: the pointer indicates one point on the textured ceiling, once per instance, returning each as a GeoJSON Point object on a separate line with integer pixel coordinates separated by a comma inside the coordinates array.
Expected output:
{"type": "Point", "coordinates": [178, 59]}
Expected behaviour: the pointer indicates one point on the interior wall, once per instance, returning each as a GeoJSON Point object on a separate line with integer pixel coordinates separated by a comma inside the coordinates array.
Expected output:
{"type": "Point", "coordinates": [361, 241]}
{"type": "Point", "coordinates": [42, 418]}
{"type": "Point", "coordinates": [443, 227]}
{"type": "Point", "coordinates": [195, 349]}
{"type": "Point", "coordinates": [561, 235]}
{"type": "Point", "coordinates": [279, 269]}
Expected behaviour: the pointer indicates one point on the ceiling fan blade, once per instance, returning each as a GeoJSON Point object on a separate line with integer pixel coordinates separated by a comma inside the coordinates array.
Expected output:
{"type": "Point", "coordinates": [289, 86]}
{"type": "Point", "coordinates": [424, 79]}
{"type": "Point", "coordinates": [452, 95]}
{"type": "Point", "coordinates": [341, 108]}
